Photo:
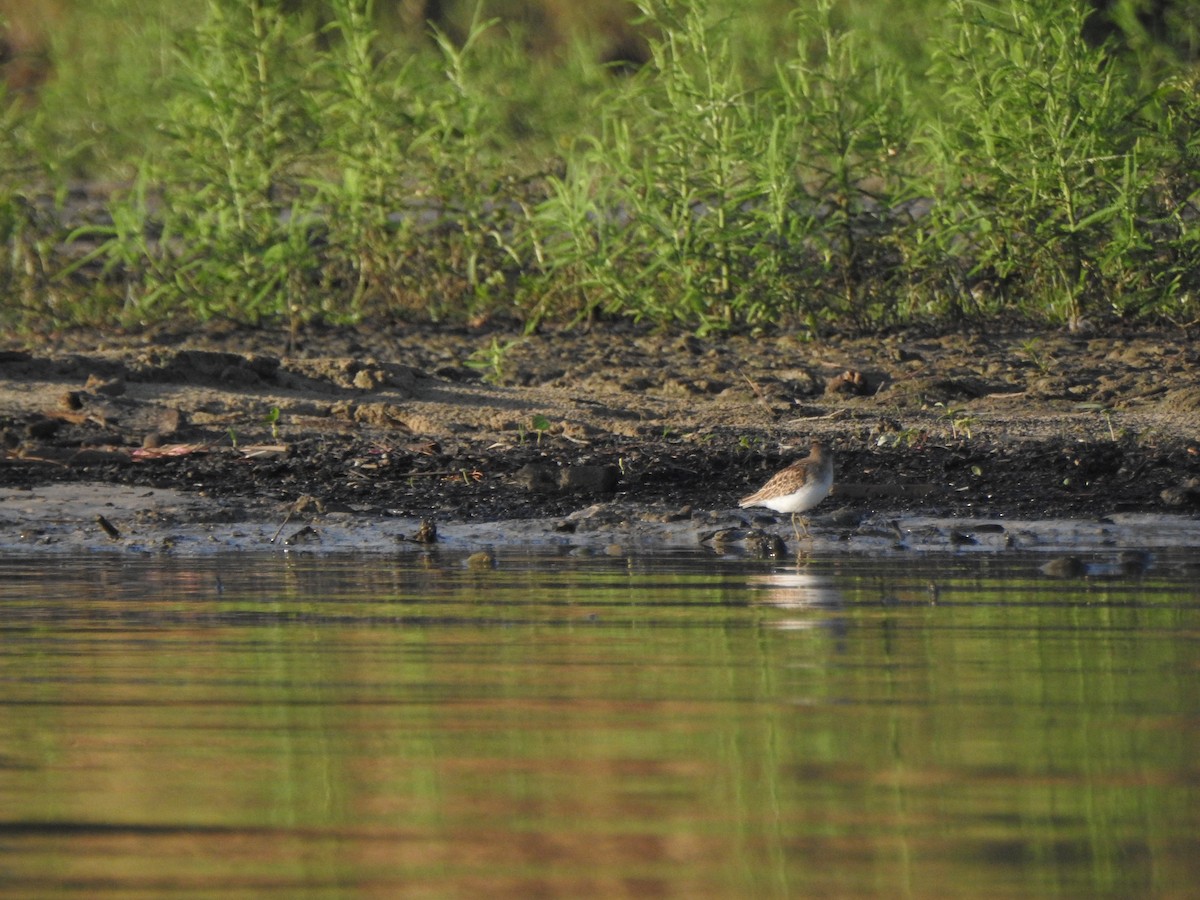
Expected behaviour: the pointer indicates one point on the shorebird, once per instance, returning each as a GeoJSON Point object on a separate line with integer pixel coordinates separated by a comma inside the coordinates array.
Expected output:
{"type": "Point", "coordinates": [799, 487]}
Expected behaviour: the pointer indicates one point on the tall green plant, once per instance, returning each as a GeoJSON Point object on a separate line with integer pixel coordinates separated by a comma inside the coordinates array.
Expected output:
{"type": "Point", "coordinates": [482, 211]}
{"type": "Point", "coordinates": [14, 209]}
{"type": "Point", "coordinates": [236, 222]}
{"type": "Point", "coordinates": [299, 173]}
{"type": "Point", "coordinates": [583, 243]}
{"type": "Point", "coordinates": [1172, 263]}
{"type": "Point", "coordinates": [738, 206]}
{"type": "Point", "coordinates": [849, 123]}
{"type": "Point", "coordinates": [1040, 137]}
{"type": "Point", "coordinates": [670, 167]}
{"type": "Point", "coordinates": [369, 119]}
{"type": "Point", "coordinates": [691, 190]}
{"type": "Point", "coordinates": [30, 232]}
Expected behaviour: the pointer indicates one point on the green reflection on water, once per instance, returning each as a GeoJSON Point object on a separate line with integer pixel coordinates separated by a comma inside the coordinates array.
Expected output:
{"type": "Point", "coordinates": [594, 727]}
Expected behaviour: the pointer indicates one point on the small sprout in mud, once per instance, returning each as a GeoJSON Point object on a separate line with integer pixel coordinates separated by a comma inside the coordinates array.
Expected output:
{"type": "Point", "coordinates": [490, 360]}
{"type": "Point", "coordinates": [977, 471]}
{"type": "Point", "coordinates": [1032, 349]}
{"type": "Point", "coordinates": [272, 419]}
{"type": "Point", "coordinates": [540, 424]}
{"type": "Point", "coordinates": [963, 425]}
{"type": "Point", "coordinates": [1108, 413]}
{"type": "Point", "coordinates": [1108, 420]}
{"type": "Point", "coordinates": [905, 437]}
{"type": "Point", "coordinates": [961, 421]}
{"type": "Point", "coordinates": [233, 438]}
{"type": "Point", "coordinates": [1104, 411]}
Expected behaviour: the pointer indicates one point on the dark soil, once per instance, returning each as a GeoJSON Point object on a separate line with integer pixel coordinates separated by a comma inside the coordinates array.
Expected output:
{"type": "Point", "coordinates": [462, 425]}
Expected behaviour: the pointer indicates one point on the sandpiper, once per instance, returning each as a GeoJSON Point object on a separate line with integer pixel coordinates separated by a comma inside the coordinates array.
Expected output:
{"type": "Point", "coordinates": [799, 487]}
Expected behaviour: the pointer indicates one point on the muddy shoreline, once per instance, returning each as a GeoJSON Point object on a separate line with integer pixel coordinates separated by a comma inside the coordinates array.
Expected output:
{"type": "Point", "coordinates": [616, 431]}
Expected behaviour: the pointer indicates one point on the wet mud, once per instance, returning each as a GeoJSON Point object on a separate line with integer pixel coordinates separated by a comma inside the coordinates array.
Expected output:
{"type": "Point", "coordinates": [554, 432]}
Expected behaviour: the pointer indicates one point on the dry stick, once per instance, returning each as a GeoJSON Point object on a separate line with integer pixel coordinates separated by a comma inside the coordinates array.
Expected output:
{"type": "Point", "coordinates": [282, 525]}
{"type": "Point", "coordinates": [108, 528]}
{"type": "Point", "coordinates": [758, 394]}
{"type": "Point", "coordinates": [475, 475]}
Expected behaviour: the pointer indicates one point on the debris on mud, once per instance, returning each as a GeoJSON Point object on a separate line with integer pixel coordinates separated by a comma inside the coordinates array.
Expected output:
{"type": "Point", "coordinates": [393, 421]}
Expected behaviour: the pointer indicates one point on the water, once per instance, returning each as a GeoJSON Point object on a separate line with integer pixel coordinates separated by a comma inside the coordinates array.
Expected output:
{"type": "Point", "coordinates": [592, 727]}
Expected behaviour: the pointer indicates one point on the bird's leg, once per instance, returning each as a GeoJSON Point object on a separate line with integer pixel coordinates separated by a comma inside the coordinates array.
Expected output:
{"type": "Point", "coordinates": [795, 529]}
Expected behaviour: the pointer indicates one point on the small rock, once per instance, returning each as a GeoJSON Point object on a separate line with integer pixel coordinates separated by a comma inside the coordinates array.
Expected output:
{"type": "Point", "coordinates": [546, 479]}
{"type": "Point", "coordinates": [1064, 567]}
{"type": "Point", "coordinates": [752, 541]}
{"type": "Point", "coordinates": [688, 344]}
{"type": "Point", "coordinates": [1134, 562]}
{"type": "Point", "coordinates": [386, 415]}
{"type": "Point", "coordinates": [42, 428]}
{"type": "Point", "coordinates": [107, 387]}
{"type": "Point", "coordinates": [845, 517]}
{"type": "Point", "coordinates": [306, 503]}
{"type": "Point", "coordinates": [1186, 493]}
{"type": "Point", "coordinates": [238, 374]}
{"type": "Point", "coordinates": [580, 432]}
{"type": "Point", "coordinates": [537, 478]}
{"type": "Point", "coordinates": [590, 479]}
{"type": "Point", "coordinates": [1049, 387]}
{"type": "Point", "coordinates": [369, 379]}
{"type": "Point", "coordinates": [722, 537]}
{"type": "Point", "coordinates": [481, 560]}
{"type": "Point", "coordinates": [170, 420]}
{"type": "Point", "coordinates": [305, 535]}
{"type": "Point", "coordinates": [851, 381]}
{"type": "Point", "coordinates": [95, 456]}
{"type": "Point", "coordinates": [763, 545]}
{"type": "Point", "coordinates": [675, 515]}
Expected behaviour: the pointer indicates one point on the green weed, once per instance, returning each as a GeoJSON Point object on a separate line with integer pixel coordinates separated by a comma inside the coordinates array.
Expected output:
{"type": "Point", "coordinates": [1041, 147]}
{"type": "Point", "coordinates": [490, 360]}
{"type": "Point", "coordinates": [962, 422]}
{"type": "Point", "coordinates": [809, 172]}
{"type": "Point", "coordinates": [1032, 348]}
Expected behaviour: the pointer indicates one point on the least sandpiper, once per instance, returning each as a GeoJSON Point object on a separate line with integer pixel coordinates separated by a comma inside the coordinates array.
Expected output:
{"type": "Point", "coordinates": [799, 487]}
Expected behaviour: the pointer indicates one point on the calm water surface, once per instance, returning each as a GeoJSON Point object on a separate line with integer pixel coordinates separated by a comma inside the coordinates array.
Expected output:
{"type": "Point", "coordinates": [594, 727]}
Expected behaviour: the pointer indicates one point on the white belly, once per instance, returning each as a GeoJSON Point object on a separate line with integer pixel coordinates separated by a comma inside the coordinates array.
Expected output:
{"type": "Point", "coordinates": [806, 498]}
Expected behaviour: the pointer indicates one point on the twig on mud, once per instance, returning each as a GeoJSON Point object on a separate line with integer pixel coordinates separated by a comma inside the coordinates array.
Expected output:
{"type": "Point", "coordinates": [299, 505]}
{"type": "Point", "coordinates": [282, 525]}
{"type": "Point", "coordinates": [473, 475]}
{"type": "Point", "coordinates": [758, 393]}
